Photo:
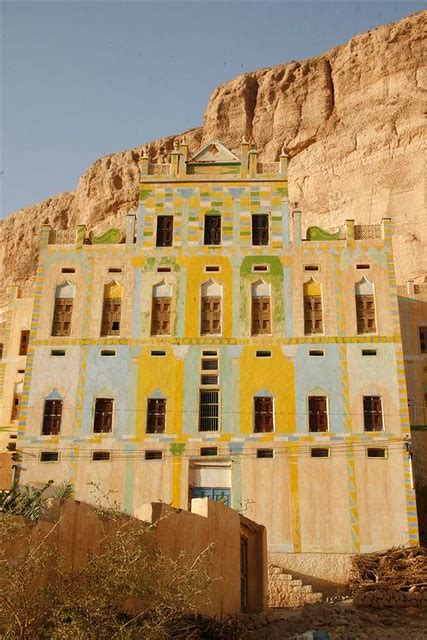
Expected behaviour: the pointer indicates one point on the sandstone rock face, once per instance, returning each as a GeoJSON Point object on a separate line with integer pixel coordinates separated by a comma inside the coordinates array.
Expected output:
{"type": "Point", "coordinates": [351, 119]}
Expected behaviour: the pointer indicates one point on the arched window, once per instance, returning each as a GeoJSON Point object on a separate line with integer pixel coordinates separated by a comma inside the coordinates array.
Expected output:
{"type": "Point", "coordinates": [261, 308]}
{"type": "Point", "coordinates": [365, 306]}
{"type": "Point", "coordinates": [313, 317]}
{"type": "Point", "coordinates": [210, 322]}
{"type": "Point", "coordinates": [161, 309]}
{"type": "Point", "coordinates": [63, 309]}
{"type": "Point", "coordinates": [112, 309]}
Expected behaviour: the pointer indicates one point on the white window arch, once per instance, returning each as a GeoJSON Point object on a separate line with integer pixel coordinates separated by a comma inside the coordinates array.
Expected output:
{"type": "Point", "coordinates": [364, 287]}
{"type": "Point", "coordinates": [261, 289]}
{"type": "Point", "coordinates": [65, 290]}
{"type": "Point", "coordinates": [162, 290]}
{"type": "Point", "coordinates": [211, 289]}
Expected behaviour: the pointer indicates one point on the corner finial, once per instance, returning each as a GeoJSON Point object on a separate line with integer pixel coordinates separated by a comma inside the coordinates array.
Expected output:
{"type": "Point", "coordinates": [176, 144]}
{"type": "Point", "coordinates": [244, 141]}
{"type": "Point", "coordinates": [183, 140]}
{"type": "Point", "coordinates": [284, 151]}
{"type": "Point", "coordinates": [144, 153]}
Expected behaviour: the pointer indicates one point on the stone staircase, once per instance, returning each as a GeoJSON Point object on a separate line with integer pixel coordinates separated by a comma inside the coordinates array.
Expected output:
{"type": "Point", "coordinates": [285, 591]}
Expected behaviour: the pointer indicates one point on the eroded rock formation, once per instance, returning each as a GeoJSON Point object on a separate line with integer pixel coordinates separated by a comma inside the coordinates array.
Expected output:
{"type": "Point", "coordinates": [351, 119]}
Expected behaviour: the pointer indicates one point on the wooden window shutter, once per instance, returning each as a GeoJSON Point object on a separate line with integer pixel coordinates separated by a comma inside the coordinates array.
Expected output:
{"type": "Point", "coordinates": [111, 315]}
{"type": "Point", "coordinates": [52, 417]}
{"type": "Point", "coordinates": [260, 229]}
{"type": "Point", "coordinates": [16, 406]}
{"type": "Point", "coordinates": [211, 315]}
{"type": "Point", "coordinates": [164, 236]}
{"type": "Point", "coordinates": [62, 313]}
{"type": "Point", "coordinates": [365, 314]}
{"type": "Point", "coordinates": [212, 229]}
{"type": "Point", "coordinates": [263, 414]}
{"type": "Point", "coordinates": [156, 415]}
{"type": "Point", "coordinates": [261, 315]}
{"type": "Point", "coordinates": [161, 316]}
{"type": "Point", "coordinates": [103, 422]}
{"type": "Point", "coordinates": [372, 413]}
{"type": "Point", "coordinates": [313, 317]}
{"type": "Point", "coordinates": [317, 413]}
{"type": "Point", "coordinates": [23, 345]}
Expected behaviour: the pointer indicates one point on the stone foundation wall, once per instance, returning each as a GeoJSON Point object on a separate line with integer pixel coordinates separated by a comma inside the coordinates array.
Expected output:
{"type": "Point", "coordinates": [327, 573]}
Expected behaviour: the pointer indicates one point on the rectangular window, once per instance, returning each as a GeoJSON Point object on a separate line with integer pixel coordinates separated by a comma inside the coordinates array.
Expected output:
{"type": "Point", "coordinates": [52, 417]}
{"type": "Point", "coordinates": [210, 370]}
{"type": "Point", "coordinates": [209, 410]}
{"type": "Point", "coordinates": [158, 354]}
{"type": "Point", "coordinates": [316, 352]}
{"type": "Point", "coordinates": [115, 270]}
{"type": "Point", "coordinates": [23, 344]}
{"type": "Point", "coordinates": [210, 268]}
{"type": "Point", "coordinates": [153, 455]}
{"type": "Point", "coordinates": [57, 353]}
{"type": "Point", "coordinates": [111, 314]}
{"type": "Point", "coordinates": [260, 267]}
{"type": "Point", "coordinates": [49, 456]}
{"type": "Point", "coordinates": [365, 314]}
{"type": "Point", "coordinates": [369, 352]}
{"type": "Point", "coordinates": [320, 452]}
{"type": "Point", "coordinates": [211, 315]}
{"type": "Point", "coordinates": [103, 418]}
{"type": "Point", "coordinates": [68, 270]}
{"type": "Point", "coordinates": [363, 266]}
{"type": "Point", "coordinates": [108, 353]}
{"type": "Point", "coordinates": [208, 451]}
{"type": "Point", "coordinates": [156, 415]}
{"type": "Point", "coordinates": [376, 452]}
{"type": "Point", "coordinates": [311, 267]}
{"type": "Point", "coordinates": [164, 235]}
{"type": "Point", "coordinates": [16, 406]}
{"type": "Point", "coordinates": [372, 413]}
{"type": "Point", "coordinates": [313, 322]}
{"type": "Point", "coordinates": [212, 230]}
{"type": "Point", "coordinates": [263, 414]}
{"type": "Point", "coordinates": [61, 325]}
{"type": "Point", "coordinates": [265, 453]}
{"type": "Point", "coordinates": [164, 269]}
{"type": "Point", "coordinates": [261, 315]}
{"type": "Point", "coordinates": [260, 229]}
{"type": "Point", "coordinates": [423, 339]}
{"type": "Point", "coordinates": [317, 413]}
{"type": "Point", "coordinates": [263, 354]}
{"type": "Point", "coordinates": [161, 316]}
{"type": "Point", "coordinates": [101, 455]}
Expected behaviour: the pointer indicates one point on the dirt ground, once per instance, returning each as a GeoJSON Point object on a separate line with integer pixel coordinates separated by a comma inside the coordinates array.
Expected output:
{"type": "Point", "coordinates": [343, 621]}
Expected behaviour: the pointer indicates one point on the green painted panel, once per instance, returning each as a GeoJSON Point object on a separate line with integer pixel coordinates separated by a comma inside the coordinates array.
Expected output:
{"type": "Point", "coordinates": [316, 233]}
{"type": "Point", "coordinates": [112, 236]}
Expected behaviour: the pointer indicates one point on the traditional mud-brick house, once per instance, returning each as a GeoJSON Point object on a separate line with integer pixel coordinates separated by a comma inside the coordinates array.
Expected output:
{"type": "Point", "coordinates": [210, 350]}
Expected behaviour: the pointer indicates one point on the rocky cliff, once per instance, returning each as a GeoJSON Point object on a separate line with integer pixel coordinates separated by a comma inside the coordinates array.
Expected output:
{"type": "Point", "coordinates": [351, 119]}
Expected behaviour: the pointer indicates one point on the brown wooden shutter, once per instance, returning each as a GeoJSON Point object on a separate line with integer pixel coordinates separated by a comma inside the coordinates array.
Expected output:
{"type": "Point", "coordinates": [365, 314]}
{"type": "Point", "coordinates": [313, 319]}
{"type": "Point", "coordinates": [103, 422]}
{"type": "Point", "coordinates": [317, 413]}
{"type": "Point", "coordinates": [16, 406]}
{"type": "Point", "coordinates": [263, 414]}
{"type": "Point", "coordinates": [261, 315]}
{"type": "Point", "coordinates": [164, 237]}
{"type": "Point", "coordinates": [156, 415]}
{"type": "Point", "coordinates": [372, 413]}
{"type": "Point", "coordinates": [160, 316]}
{"type": "Point", "coordinates": [260, 229]}
{"type": "Point", "coordinates": [23, 345]}
{"type": "Point", "coordinates": [111, 315]}
{"type": "Point", "coordinates": [211, 315]}
{"type": "Point", "coordinates": [62, 313]}
{"type": "Point", "coordinates": [52, 417]}
{"type": "Point", "coordinates": [212, 230]}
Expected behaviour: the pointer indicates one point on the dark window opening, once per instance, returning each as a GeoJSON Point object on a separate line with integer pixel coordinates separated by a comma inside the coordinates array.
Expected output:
{"type": "Point", "coordinates": [153, 455]}
{"type": "Point", "coordinates": [208, 451]}
{"type": "Point", "coordinates": [316, 352]}
{"type": "Point", "coordinates": [260, 229]}
{"type": "Point", "coordinates": [209, 410]}
{"type": "Point", "coordinates": [265, 453]}
{"type": "Point", "coordinates": [61, 324]}
{"type": "Point", "coordinates": [49, 456]}
{"type": "Point", "coordinates": [156, 415]}
{"type": "Point", "coordinates": [319, 452]}
{"type": "Point", "coordinates": [313, 321]}
{"type": "Point", "coordinates": [101, 455]}
{"type": "Point", "coordinates": [164, 236]}
{"type": "Point", "coordinates": [21, 370]}
{"type": "Point", "coordinates": [423, 339]}
{"type": "Point", "coordinates": [158, 353]}
{"type": "Point", "coordinates": [212, 230]}
{"type": "Point", "coordinates": [317, 413]}
{"type": "Point", "coordinates": [103, 418]}
{"type": "Point", "coordinates": [365, 314]}
{"type": "Point", "coordinates": [52, 417]}
{"type": "Point", "coordinates": [115, 270]}
{"type": "Point", "coordinates": [363, 266]}
{"type": "Point", "coordinates": [164, 269]}
{"type": "Point", "coordinates": [23, 345]}
{"type": "Point", "coordinates": [211, 315]}
{"type": "Point", "coordinates": [263, 414]}
{"type": "Point", "coordinates": [369, 352]}
{"type": "Point", "coordinates": [261, 315]}
{"type": "Point", "coordinates": [161, 316]}
{"type": "Point", "coordinates": [376, 452]}
{"type": "Point", "coordinates": [111, 314]}
{"type": "Point", "coordinates": [260, 267]}
{"type": "Point", "coordinates": [107, 352]}
{"type": "Point", "coordinates": [209, 353]}
{"type": "Point", "coordinates": [372, 413]}
{"type": "Point", "coordinates": [311, 267]}
{"type": "Point", "coordinates": [16, 406]}
{"type": "Point", "coordinates": [68, 270]}
{"type": "Point", "coordinates": [263, 354]}
{"type": "Point", "coordinates": [57, 353]}
{"type": "Point", "coordinates": [211, 268]}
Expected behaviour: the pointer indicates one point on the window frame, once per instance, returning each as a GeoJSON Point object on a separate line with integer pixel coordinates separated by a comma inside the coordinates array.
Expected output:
{"type": "Point", "coordinates": [220, 298]}
{"type": "Point", "coordinates": [199, 416]}
{"type": "Point", "coordinates": [364, 296]}
{"type": "Point", "coordinates": [106, 333]}
{"type": "Point", "coordinates": [423, 328]}
{"type": "Point", "coordinates": [24, 341]}
{"type": "Point", "coordinates": [365, 430]}
{"type": "Point", "coordinates": [163, 415]}
{"type": "Point", "coordinates": [255, 413]}
{"type": "Point", "coordinates": [154, 300]}
{"type": "Point", "coordinates": [52, 416]}
{"type": "Point", "coordinates": [326, 398]}
{"type": "Point", "coordinates": [313, 333]}
{"type": "Point", "coordinates": [171, 231]}
{"type": "Point", "coordinates": [261, 215]}
{"type": "Point", "coordinates": [96, 400]}
{"type": "Point", "coordinates": [254, 301]}
{"type": "Point", "coordinates": [212, 244]}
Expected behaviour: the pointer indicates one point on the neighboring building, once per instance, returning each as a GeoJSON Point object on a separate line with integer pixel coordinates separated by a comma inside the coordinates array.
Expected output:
{"type": "Point", "coordinates": [15, 322]}
{"type": "Point", "coordinates": [413, 320]}
{"type": "Point", "coordinates": [210, 351]}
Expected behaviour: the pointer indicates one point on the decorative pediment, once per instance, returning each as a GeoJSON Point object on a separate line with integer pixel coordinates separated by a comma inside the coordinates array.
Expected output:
{"type": "Point", "coordinates": [364, 287]}
{"type": "Point", "coordinates": [214, 152]}
{"type": "Point", "coordinates": [211, 289]}
{"type": "Point", "coordinates": [65, 290]}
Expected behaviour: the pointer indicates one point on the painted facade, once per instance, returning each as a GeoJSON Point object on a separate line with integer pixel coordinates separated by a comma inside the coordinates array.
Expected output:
{"type": "Point", "coordinates": [277, 316]}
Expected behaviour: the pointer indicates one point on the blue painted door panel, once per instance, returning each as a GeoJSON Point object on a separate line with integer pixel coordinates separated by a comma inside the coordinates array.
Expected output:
{"type": "Point", "coordinates": [214, 493]}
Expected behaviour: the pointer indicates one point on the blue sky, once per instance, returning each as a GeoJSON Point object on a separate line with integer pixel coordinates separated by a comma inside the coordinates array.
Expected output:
{"type": "Point", "coordinates": [84, 79]}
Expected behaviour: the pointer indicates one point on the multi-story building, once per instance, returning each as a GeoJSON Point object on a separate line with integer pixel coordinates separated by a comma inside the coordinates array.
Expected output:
{"type": "Point", "coordinates": [209, 350]}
